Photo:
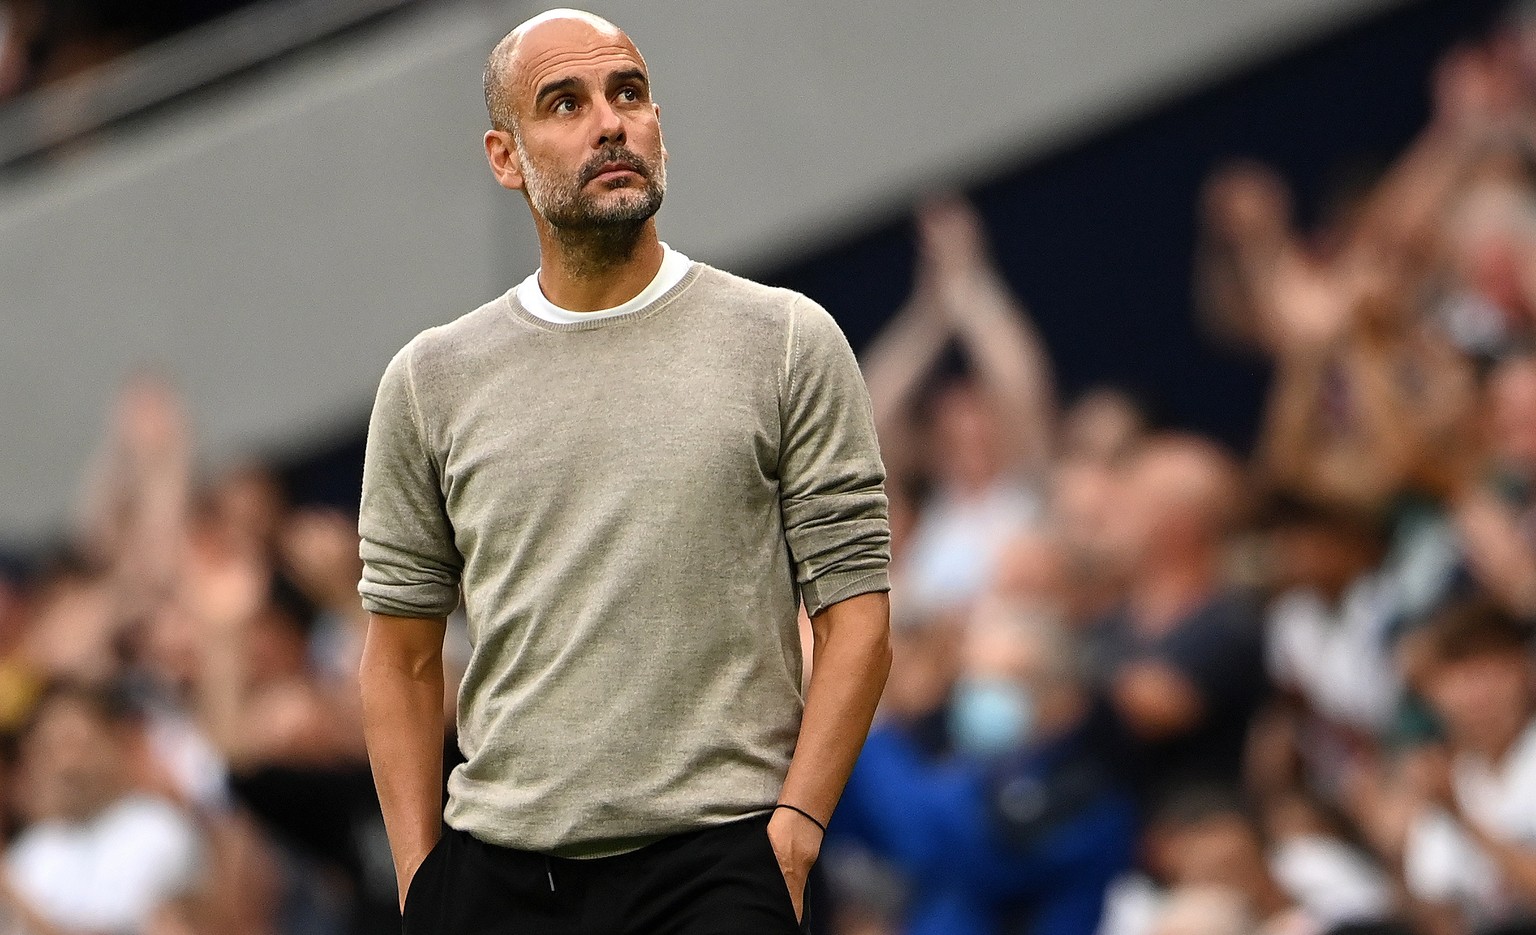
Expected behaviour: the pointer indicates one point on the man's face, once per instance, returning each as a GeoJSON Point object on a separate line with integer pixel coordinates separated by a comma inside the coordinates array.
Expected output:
{"type": "Point", "coordinates": [588, 136]}
{"type": "Point", "coordinates": [1151, 501]}
{"type": "Point", "coordinates": [965, 438]}
{"type": "Point", "coordinates": [68, 762]}
{"type": "Point", "coordinates": [1221, 850]}
{"type": "Point", "coordinates": [1481, 698]}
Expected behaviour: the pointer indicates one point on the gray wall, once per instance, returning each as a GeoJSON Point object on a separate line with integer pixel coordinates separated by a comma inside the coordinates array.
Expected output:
{"type": "Point", "coordinates": [273, 244]}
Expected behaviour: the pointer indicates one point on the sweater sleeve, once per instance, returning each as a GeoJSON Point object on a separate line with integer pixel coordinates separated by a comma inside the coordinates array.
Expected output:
{"type": "Point", "coordinates": [831, 480]}
{"type": "Point", "coordinates": [411, 566]}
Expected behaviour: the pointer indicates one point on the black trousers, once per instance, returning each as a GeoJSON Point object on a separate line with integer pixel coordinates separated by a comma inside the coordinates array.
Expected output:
{"type": "Point", "coordinates": [719, 881]}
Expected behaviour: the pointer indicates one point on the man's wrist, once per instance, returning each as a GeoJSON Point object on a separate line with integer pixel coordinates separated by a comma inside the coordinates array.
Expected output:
{"type": "Point", "coordinates": [805, 814]}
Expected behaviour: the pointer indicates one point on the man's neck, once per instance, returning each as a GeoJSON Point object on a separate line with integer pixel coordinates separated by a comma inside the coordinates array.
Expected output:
{"type": "Point", "coordinates": [593, 270]}
{"type": "Point", "coordinates": [1162, 596]}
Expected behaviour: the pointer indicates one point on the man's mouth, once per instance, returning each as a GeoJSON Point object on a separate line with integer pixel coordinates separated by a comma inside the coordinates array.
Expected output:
{"type": "Point", "coordinates": [614, 169]}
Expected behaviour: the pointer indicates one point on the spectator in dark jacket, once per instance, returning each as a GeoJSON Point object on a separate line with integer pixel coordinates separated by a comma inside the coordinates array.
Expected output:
{"type": "Point", "coordinates": [1020, 829]}
{"type": "Point", "coordinates": [1179, 665]}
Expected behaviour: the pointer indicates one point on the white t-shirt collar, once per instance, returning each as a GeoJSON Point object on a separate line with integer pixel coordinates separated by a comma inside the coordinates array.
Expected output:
{"type": "Point", "coordinates": [674, 266]}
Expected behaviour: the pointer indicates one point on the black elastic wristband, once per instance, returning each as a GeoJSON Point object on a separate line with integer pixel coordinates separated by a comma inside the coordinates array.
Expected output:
{"type": "Point", "coordinates": [796, 808]}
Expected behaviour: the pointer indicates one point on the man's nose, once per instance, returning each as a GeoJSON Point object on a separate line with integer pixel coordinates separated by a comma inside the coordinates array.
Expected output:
{"type": "Point", "coordinates": [610, 126]}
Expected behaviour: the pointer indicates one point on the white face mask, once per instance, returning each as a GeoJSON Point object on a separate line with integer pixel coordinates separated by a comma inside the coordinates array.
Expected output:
{"type": "Point", "coordinates": [991, 717]}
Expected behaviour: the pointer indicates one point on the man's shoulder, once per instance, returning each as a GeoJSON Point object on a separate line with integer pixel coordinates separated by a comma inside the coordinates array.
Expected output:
{"type": "Point", "coordinates": [747, 295]}
{"type": "Point", "coordinates": [783, 314]}
{"type": "Point", "coordinates": [470, 330]}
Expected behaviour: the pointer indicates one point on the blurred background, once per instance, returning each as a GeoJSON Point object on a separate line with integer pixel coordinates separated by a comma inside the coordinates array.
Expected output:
{"type": "Point", "coordinates": [1202, 341]}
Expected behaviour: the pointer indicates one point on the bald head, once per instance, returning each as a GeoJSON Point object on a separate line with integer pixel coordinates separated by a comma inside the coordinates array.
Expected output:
{"type": "Point", "coordinates": [1179, 490]}
{"type": "Point", "coordinates": [539, 40]}
{"type": "Point", "coordinates": [1186, 472]}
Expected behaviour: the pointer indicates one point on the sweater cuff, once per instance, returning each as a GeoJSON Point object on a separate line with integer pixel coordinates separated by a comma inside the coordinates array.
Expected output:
{"type": "Point", "coordinates": [821, 593]}
{"type": "Point", "coordinates": [422, 600]}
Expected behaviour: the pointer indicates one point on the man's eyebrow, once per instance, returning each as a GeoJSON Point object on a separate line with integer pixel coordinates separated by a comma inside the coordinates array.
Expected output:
{"type": "Point", "coordinates": [556, 86]}
{"type": "Point", "coordinates": [630, 74]}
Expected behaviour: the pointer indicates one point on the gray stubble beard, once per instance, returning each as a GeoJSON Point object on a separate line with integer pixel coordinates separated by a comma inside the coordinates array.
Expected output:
{"type": "Point", "coordinates": [595, 237]}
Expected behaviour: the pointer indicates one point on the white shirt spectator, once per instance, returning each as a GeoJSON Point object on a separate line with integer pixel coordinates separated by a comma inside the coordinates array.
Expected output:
{"type": "Point", "coordinates": [1131, 905]}
{"type": "Point", "coordinates": [1333, 883]}
{"type": "Point", "coordinates": [956, 543]}
{"type": "Point", "coordinates": [1444, 865]}
{"type": "Point", "coordinates": [107, 874]}
{"type": "Point", "coordinates": [1338, 657]}
{"type": "Point", "coordinates": [194, 765]}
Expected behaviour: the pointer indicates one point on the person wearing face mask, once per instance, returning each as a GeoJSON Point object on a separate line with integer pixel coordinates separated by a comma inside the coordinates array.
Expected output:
{"type": "Point", "coordinates": [1020, 829]}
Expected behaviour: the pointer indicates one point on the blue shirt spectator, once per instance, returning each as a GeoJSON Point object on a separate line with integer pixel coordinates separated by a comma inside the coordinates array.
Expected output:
{"type": "Point", "coordinates": [1019, 831]}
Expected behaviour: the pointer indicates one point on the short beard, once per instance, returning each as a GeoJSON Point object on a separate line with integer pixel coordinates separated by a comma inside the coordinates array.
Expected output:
{"type": "Point", "coordinates": [595, 236]}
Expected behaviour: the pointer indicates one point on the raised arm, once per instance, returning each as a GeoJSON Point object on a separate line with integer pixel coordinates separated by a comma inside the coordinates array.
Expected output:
{"type": "Point", "coordinates": [138, 492]}
{"type": "Point", "coordinates": [1475, 113]}
{"type": "Point", "coordinates": [1246, 233]}
{"type": "Point", "coordinates": [995, 333]}
{"type": "Point", "coordinates": [897, 362]}
{"type": "Point", "coordinates": [1496, 549]}
{"type": "Point", "coordinates": [1324, 347]}
{"type": "Point", "coordinates": [1496, 552]}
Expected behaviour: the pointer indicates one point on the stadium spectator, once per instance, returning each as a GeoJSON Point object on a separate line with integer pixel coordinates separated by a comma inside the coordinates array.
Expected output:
{"type": "Point", "coordinates": [97, 855]}
{"type": "Point", "coordinates": [1328, 647]}
{"type": "Point", "coordinates": [1023, 827]}
{"type": "Point", "coordinates": [1287, 879]}
{"type": "Point", "coordinates": [1216, 844]}
{"type": "Point", "coordinates": [279, 699]}
{"type": "Point", "coordinates": [1328, 629]}
{"type": "Point", "coordinates": [1494, 505]}
{"type": "Point", "coordinates": [981, 441]}
{"type": "Point", "coordinates": [1471, 855]}
{"type": "Point", "coordinates": [230, 620]}
{"type": "Point", "coordinates": [1179, 662]}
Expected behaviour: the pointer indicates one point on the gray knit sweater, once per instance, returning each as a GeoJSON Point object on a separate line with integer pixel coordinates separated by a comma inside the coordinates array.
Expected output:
{"type": "Point", "coordinates": [633, 508]}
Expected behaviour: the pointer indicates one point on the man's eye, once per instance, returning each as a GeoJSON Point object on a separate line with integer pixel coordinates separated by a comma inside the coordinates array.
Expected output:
{"type": "Point", "coordinates": [629, 94]}
{"type": "Point", "coordinates": [565, 106]}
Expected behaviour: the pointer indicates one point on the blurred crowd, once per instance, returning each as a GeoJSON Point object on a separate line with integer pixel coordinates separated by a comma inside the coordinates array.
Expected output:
{"type": "Point", "coordinates": [1142, 685]}
{"type": "Point", "coordinates": [180, 731]}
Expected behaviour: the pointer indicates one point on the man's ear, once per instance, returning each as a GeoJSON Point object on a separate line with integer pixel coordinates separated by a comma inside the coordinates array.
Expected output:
{"type": "Point", "coordinates": [501, 153]}
{"type": "Point", "coordinates": [659, 134]}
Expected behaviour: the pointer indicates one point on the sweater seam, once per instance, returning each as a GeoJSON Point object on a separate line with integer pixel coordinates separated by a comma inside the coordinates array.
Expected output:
{"type": "Point", "coordinates": [791, 336]}
{"type": "Point", "coordinates": [416, 423]}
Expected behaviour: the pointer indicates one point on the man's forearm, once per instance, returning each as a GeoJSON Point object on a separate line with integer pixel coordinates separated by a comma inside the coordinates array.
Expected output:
{"type": "Point", "coordinates": [851, 660]}
{"type": "Point", "coordinates": [402, 687]}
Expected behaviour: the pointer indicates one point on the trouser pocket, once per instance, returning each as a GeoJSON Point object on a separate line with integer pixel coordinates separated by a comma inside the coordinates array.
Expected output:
{"type": "Point", "coordinates": [423, 893]}
{"type": "Point", "coordinates": [774, 878]}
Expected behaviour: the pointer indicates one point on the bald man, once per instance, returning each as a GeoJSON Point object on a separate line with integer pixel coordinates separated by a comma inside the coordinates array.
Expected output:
{"type": "Point", "coordinates": [635, 468]}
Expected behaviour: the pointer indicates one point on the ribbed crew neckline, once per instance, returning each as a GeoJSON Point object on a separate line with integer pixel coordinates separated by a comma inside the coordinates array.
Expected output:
{"type": "Point", "coordinates": [515, 308]}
